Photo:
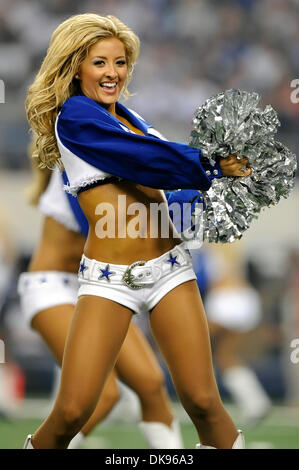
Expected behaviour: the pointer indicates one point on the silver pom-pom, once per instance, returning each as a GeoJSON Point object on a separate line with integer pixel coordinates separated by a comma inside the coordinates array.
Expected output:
{"type": "Point", "coordinates": [229, 123]}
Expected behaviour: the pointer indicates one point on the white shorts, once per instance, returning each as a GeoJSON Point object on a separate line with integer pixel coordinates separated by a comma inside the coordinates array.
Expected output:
{"type": "Point", "coordinates": [137, 287]}
{"type": "Point", "coordinates": [40, 290]}
{"type": "Point", "coordinates": [235, 309]}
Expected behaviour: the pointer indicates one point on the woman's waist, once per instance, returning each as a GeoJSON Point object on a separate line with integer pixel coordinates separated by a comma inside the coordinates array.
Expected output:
{"type": "Point", "coordinates": [138, 273]}
{"type": "Point", "coordinates": [128, 250]}
{"type": "Point", "coordinates": [143, 225]}
{"type": "Point", "coordinates": [65, 259]}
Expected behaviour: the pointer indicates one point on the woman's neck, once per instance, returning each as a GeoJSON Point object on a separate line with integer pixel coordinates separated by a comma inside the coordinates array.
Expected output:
{"type": "Point", "coordinates": [112, 110]}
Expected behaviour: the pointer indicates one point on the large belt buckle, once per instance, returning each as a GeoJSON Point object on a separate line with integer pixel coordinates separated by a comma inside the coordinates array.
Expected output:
{"type": "Point", "coordinates": [127, 277]}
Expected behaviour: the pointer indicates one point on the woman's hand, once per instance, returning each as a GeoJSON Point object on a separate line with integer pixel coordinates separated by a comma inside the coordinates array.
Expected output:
{"type": "Point", "coordinates": [231, 166]}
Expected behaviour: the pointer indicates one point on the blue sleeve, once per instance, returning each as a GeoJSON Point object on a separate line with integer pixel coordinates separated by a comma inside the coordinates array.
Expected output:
{"type": "Point", "coordinates": [93, 134]}
{"type": "Point", "coordinates": [181, 205]}
{"type": "Point", "coordinates": [187, 195]}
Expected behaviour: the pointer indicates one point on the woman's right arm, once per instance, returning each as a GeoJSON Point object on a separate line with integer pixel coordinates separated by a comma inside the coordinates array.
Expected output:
{"type": "Point", "coordinates": [91, 133]}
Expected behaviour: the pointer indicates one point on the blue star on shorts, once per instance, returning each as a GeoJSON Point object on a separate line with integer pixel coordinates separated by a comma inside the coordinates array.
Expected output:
{"type": "Point", "coordinates": [106, 273]}
{"type": "Point", "coordinates": [172, 260]}
{"type": "Point", "coordinates": [82, 268]}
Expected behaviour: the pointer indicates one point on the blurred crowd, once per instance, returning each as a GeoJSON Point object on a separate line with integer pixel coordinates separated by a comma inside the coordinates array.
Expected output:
{"type": "Point", "coordinates": [190, 49]}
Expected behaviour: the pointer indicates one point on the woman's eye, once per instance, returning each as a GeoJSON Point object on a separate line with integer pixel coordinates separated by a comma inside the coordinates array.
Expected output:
{"type": "Point", "coordinates": [102, 62]}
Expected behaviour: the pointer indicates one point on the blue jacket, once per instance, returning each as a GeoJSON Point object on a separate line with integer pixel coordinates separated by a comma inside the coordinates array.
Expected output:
{"type": "Point", "coordinates": [94, 135]}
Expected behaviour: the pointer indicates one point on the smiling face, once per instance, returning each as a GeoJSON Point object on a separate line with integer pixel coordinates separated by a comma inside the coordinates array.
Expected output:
{"type": "Point", "coordinates": [103, 72]}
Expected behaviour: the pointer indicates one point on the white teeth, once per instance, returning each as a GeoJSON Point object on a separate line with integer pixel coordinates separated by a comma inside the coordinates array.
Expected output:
{"type": "Point", "coordinates": [108, 85]}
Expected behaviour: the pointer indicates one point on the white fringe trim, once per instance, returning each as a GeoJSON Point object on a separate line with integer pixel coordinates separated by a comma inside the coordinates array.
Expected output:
{"type": "Point", "coordinates": [74, 188]}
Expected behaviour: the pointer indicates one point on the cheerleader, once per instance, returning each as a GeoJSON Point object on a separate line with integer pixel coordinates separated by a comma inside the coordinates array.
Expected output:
{"type": "Point", "coordinates": [234, 312]}
{"type": "Point", "coordinates": [108, 153]}
{"type": "Point", "coordinates": [48, 294]}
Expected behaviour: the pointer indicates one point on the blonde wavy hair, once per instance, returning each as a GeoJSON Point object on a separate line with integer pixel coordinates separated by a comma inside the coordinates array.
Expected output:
{"type": "Point", "coordinates": [55, 81]}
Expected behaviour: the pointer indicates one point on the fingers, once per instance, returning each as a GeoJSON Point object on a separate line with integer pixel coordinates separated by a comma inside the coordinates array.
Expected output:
{"type": "Point", "coordinates": [235, 158]}
{"type": "Point", "coordinates": [235, 166]}
{"type": "Point", "coordinates": [244, 161]}
{"type": "Point", "coordinates": [245, 172]}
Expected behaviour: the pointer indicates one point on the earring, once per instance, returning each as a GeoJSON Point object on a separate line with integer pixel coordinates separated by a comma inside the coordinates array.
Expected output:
{"type": "Point", "coordinates": [77, 76]}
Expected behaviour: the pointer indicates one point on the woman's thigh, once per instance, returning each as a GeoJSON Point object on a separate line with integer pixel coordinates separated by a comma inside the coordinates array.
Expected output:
{"type": "Point", "coordinates": [96, 333]}
{"type": "Point", "coordinates": [227, 348]}
{"type": "Point", "coordinates": [53, 324]}
{"type": "Point", "coordinates": [180, 327]}
{"type": "Point", "coordinates": [137, 365]}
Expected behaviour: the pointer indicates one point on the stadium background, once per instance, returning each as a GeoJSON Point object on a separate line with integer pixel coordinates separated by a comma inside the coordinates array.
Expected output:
{"type": "Point", "coordinates": [190, 49]}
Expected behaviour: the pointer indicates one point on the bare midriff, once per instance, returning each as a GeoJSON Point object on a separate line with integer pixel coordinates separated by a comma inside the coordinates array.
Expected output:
{"type": "Point", "coordinates": [129, 239]}
{"type": "Point", "coordinates": [59, 249]}
{"type": "Point", "coordinates": [231, 273]}
{"type": "Point", "coordinates": [120, 248]}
